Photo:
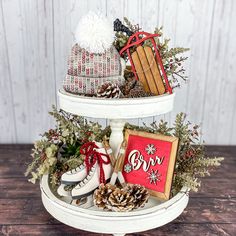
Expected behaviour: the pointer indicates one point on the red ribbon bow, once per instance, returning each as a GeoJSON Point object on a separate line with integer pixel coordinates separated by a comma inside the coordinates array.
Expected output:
{"type": "Point", "coordinates": [91, 156]}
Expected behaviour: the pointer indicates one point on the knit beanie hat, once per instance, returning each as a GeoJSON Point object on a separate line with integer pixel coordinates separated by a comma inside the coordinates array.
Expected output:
{"type": "Point", "coordinates": [87, 71]}
{"type": "Point", "coordinates": [93, 59]}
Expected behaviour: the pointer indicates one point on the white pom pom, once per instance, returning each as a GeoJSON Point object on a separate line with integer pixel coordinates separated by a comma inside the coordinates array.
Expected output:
{"type": "Point", "coordinates": [94, 33]}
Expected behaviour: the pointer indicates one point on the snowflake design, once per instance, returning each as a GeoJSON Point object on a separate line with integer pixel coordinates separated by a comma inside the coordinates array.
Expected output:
{"type": "Point", "coordinates": [127, 168]}
{"type": "Point", "coordinates": [153, 176]}
{"type": "Point", "coordinates": [150, 149]}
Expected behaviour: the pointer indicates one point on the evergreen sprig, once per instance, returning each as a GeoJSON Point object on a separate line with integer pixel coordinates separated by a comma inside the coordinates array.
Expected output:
{"type": "Point", "coordinates": [171, 57]}
{"type": "Point", "coordinates": [191, 160]}
{"type": "Point", "coordinates": [173, 63]}
{"type": "Point", "coordinates": [59, 148]}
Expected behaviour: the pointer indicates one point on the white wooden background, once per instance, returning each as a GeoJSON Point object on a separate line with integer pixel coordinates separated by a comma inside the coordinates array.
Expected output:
{"type": "Point", "coordinates": [36, 36]}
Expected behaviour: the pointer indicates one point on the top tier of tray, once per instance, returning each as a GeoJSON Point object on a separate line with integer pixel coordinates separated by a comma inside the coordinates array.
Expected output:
{"type": "Point", "coordinates": [113, 78]}
{"type": "Point", "coordinates": [126, 108]}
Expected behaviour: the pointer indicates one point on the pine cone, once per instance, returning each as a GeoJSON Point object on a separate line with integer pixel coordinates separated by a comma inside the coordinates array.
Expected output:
{"type": "Point", "coordinates": [108, 90]}
{"type": "Point", "coordinates": [101, 195]}
{"type": "Point", "coordinates": [120, 200]}
{"type": "Point", "coordinates": [138, 91]}
{"type": "Point", "coordinates": [129, 84]}
{"type": "Point", "coordinates": [134, 89]}
{"type": "Point", "coordinates": [139, 193]}
{"type": "Point", "coordinates": [128, 73]}
{"type": "Point", "coordinates": [110, 197]}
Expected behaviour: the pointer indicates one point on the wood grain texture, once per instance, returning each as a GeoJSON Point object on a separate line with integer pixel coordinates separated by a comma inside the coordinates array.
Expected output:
{"type": "Point", "coordinates": [29, 34]}
{"type": "Point", "coordinates": [31, 211]}
{"type": "Point", "coordinates": [155, 70]}
{"type": "Point", "coordinates": [183, 37]}
{"type": "Point", "coordinates": [227, 107]}
{"type": "Point", "coordinates": [202, 36]}
{"type": "Point", "coordinates": [147, 24]}
{"type": "Point", "coordinates": [7, 114]}
{"type": "Point", "coordinates": [13, 35]}
{"type": "Point", "coordinates": [220, 94]}
{"type": "Point", "coordinates": [211, 211]}
{"type": "Point", "coordinates": [36, 37]}
{"type": "Point", "coordinates": [173, 229]}
{"type": "Point", "coordinates": [138, 67]}
{"type": "Point", "coordinates": [19, 187]}
{"type": "Point", "coordinates": [146, 69]}
{"type": "Point", "coordinates": [167, 15]}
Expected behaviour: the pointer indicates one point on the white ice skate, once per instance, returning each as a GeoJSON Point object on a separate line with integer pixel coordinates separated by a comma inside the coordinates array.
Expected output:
{"type": "Point", "coordinates": [62, 192]}
{"type": "Point", "coordinates": [74, 176]}
{"type": "Point", "coordinates": [79, 173]}
{"type": "Point", "coordinates": [91, 182]}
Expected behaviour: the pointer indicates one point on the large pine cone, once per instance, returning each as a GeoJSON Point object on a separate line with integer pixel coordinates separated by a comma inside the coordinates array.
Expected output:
{"type": "Point", "coordinates": [108, 90]}
{"type": "Point", "coordinates": [110, 197]}
{"type": "Point", "coordinates": [139, 193]}
{"type": "Point", "coordinates": [102, 194]}
{"type": "Point", "coordinates": [120, 200]}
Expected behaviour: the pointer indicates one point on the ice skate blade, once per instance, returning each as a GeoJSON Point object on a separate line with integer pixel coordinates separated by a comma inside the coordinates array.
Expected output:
{"type": "Point", "coordinates": [69, 182]}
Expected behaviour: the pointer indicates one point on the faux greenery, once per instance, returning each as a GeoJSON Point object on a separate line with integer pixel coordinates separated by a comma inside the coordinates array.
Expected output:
{"type": "Point", "coordinates": [191, 162]}
{"type": "Point", "coordinates": [173, 62]}
{"type": "Point", "coordinates": [171, 57]}
{"type": "Point", "coordinates": [59, 149]}
{"type": "Point", "coordinates": [122, 38]}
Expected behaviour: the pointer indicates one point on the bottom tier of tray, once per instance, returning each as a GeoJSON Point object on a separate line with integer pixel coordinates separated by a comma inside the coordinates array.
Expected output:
{"type": "Point", "coordinates": [153, 215]}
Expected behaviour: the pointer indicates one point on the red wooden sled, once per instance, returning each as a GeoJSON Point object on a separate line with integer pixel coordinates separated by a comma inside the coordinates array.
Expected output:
{"type": "Point", "coordinates": [136, 40]}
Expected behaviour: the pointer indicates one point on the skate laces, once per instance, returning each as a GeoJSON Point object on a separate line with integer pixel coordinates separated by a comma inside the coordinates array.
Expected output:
{"type": "Point", "coordinates": [92, 156]}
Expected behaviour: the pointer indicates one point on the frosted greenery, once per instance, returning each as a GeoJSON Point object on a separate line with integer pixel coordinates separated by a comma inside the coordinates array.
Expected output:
{"type": "Point", "coordinates": [192, 162]}
{"type": "Point", "coordinates": [59, 149]}
{"type": "Point", "coordinates": [172, 58]}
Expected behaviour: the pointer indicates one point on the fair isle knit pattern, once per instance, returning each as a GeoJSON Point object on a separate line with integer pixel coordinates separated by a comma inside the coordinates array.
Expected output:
{"type": "Point", "coordinates": [87, 71]}
{"type": "Point", "coordinates": [83, 63]}
{"type": "Point", "coordinates": [86, 85]}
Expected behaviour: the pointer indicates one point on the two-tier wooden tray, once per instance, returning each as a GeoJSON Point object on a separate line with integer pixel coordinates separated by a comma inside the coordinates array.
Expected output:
{"type": "Point", "coordinates": [155, 213]}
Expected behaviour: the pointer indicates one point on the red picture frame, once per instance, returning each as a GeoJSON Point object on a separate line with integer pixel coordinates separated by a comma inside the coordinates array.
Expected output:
{"type": "Point", "coordinates": [150, 161]}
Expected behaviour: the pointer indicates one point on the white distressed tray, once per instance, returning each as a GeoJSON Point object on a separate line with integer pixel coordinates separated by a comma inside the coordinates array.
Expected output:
{"type": "Point", "coordinates": [153, 215]}
{"type": "Point", "coordinates": [117, 110]}
{"type": "Point", "coordinates": [124, 108]}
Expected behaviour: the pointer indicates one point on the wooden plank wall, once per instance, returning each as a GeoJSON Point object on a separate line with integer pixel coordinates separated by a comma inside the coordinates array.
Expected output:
{"type": "Point", "coordinates": [36, 36]}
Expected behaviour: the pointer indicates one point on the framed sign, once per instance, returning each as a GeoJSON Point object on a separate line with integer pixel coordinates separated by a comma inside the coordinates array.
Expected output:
{"type": "Point", "coordinates": [150, 161]}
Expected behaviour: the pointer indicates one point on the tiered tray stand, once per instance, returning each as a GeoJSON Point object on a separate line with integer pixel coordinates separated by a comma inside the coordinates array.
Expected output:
{"type": "Point", "coordinates": [155, 213]}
